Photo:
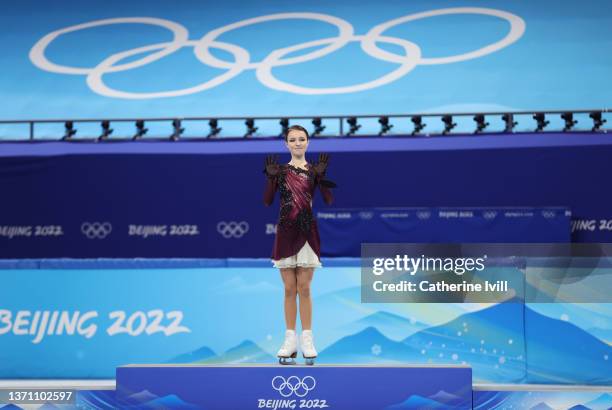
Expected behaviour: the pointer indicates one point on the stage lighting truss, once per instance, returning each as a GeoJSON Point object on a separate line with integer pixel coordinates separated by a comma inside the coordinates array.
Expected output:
{"type": "Point", "coordinates": [318, 126]}
{"type": "Point", "coordinates": [354, 126]}
{"type": "Point", "coordinates": [385, 127]}
{"type": "Point", "coordinates": [213, 124]}
{"type": "Point", "coordinates": [347, 125]}
{"type": "Point", "coordinates": [251, 128]}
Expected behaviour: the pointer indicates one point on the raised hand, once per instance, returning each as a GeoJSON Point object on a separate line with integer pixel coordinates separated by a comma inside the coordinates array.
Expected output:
{"type": "Point", "coordinates": [321, 166]}
{"type": "Point", "coordinates": [272, 167]}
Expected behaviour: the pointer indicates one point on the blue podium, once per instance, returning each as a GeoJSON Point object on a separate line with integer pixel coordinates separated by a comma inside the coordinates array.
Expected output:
{"type": "Point", "coordinates": [294, 387]}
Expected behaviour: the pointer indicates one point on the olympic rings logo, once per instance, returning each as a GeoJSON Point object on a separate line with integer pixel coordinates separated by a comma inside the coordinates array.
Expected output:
{"type": "Point", "coordinates": [96, 230]}
{"type": "Point", "coordinates": [407, 60]}
{"type": "Point", "coordinates": [293, 385]}
{"type": "Point", "coordinates": [232, 229]}
{"type": "Point", "coordinates": [489, 214]}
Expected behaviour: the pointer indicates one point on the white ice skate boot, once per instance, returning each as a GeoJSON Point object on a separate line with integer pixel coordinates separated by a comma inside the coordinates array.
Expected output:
{"type": "Point", "coordinates": [307, 346]}
{"type": "Point", "coordinates": [288, 351]}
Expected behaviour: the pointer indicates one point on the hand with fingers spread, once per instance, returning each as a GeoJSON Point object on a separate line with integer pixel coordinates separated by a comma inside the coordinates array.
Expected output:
{"type": "Point", "coordinates": [321, 166]}
{"type": "Point", "coordinates": [272, 168]}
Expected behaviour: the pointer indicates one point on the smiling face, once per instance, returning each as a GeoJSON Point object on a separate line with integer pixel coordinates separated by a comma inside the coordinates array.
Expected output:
{"type": "Point", "coordinates": [297, 143]}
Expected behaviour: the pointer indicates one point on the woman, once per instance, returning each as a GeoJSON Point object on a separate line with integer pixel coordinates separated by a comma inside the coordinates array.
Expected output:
{"type": "Point", "coordinates": [296, 249]}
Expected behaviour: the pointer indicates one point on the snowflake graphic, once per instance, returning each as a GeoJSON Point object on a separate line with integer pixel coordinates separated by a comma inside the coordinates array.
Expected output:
{"type": "Point", "coordinates": [376, 350]}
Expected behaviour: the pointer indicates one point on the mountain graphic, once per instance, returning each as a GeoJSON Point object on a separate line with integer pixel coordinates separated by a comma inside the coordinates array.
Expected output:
{"type": "Point", "coordinates": [579, 407]}
{"type": "Point", "coordinates": [245, 352]}
{"type": "Point", "coordinates": [603, 402]}
{"type": "Point", "coordinates": [367, 346]}
{"type": "Point", "coordinates": [390, 324]}
{"type": "Point", "coordinates": [170, 401]}
{"type": "Point", "coordinates": [419, 402]}
{"type": "Point", "coordinates": [202, 353]}
{"type": "Point", "coordinates": [490, 340]}
{"type": "Point", "coordinates": [541, 406]}
{"type": "Point", "coordinates": [446, 398]}
{"type": "Point", "coordinates": [10, 407]}
{"type": "Point", "coordinates": [142, 396]}
{"type": "Point", "coordinates": [551, 339]}
{"type": "Point", "coordinates": [605, 335]}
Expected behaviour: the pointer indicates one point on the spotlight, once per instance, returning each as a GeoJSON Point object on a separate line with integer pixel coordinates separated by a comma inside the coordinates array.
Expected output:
{"type": "Point", "coordinates": [284, 123]}
{"type": "Point", "coordinates": [176, 134]}
{"type": "Point", "coordinates": [510, 123]}
{"type": "Point", "coordinates": [352, 121]}
{"type": "Point", "coordinates": [448, 124]}
{"type": "Point", "coordinates": [251, 128]}
{"type": "Point", "coordinates": [541, 120]}
{"type": "Point", "coordinates": [597, 120]}
{"type": "Point", "coordinates": [417, 120]}
{"type": "Point", "coordinates": [214, 129]}
{"type": "Point", "coordinates": [481, 124]}
{"type": "Point", "coordinates": [384, 125]}
{"type": "Point", "coordinates": [568, 117]}
{"type": "Point", "coordinates": [140, 130]}
{"type": "Point", "coordinates": [106, 130]}
{"type": "Point", "coordinates": [318, 127]}
{"type": "Point", "coordinates": [69, 131]}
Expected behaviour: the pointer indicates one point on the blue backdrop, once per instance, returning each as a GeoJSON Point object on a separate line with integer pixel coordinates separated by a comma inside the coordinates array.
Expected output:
{"type": "Point", "coordinates": [246, 57]}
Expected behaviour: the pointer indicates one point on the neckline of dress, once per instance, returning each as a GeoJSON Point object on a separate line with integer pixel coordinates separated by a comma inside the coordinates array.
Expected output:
{"type": "Point", "coordinates": [300, 169]}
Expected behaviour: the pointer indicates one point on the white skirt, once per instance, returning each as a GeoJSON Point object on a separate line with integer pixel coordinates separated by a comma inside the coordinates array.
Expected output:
{"type": "Point", "coordinates": [305, 258]}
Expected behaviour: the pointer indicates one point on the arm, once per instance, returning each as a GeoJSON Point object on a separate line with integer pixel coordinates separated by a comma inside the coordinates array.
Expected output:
{"type": "Point", "coordinates": [328, 196]}
{"type": "Point", "coordinates": [271, 186]}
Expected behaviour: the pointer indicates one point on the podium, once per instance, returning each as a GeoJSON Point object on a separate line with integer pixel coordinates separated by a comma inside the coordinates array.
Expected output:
{"type": "Point", "coordinates": [238, 387]}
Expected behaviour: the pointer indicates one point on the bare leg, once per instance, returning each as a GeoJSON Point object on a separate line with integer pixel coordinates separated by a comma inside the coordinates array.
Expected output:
{"type": "Point", "coordinates": [290, 281]}
{"type": "Point", "coordinates": [304, 277]}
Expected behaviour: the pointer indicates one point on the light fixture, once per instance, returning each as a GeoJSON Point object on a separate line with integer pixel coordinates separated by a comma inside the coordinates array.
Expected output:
{"type": "Point", "coordinates": [510, 123]}
{"type": "Point", "coordinates": [140, 130]}
{"type": "Point", "coordinates": [214, 128]}
{"type": "Point", "coordinates": [251, 128]}
{"type": "Point", "coordinates": [598, 121]}
{"type": "Point", "coordinates": [177, 130]}
{"type": "Point", "coordinates": [385, 127]}
{"type": "Point", "coordinates": [352, 121]}
{"type": "Point", "coordinates": [568, 117]}
{"type": "Point", "coordinates": [69, 131]}
{"type": "Point", "coordinates": [318, 127]}
{"type": "Point", "coordinates": [284, 123]}
{"type": "Point", "coordinates": [106, 130]}
{"type": "Point", "coordinates": [417, 120]}
{"type": "Point", "coordinates": [448, 124]}
{"type": "Point", "coordinates": [481, 124]}
{"type": "Point", "coordinates": [540, 118]}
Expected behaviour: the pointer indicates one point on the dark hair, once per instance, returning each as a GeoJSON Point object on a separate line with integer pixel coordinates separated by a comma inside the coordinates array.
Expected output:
{"type": "Point", "coordinates": [296, 128]}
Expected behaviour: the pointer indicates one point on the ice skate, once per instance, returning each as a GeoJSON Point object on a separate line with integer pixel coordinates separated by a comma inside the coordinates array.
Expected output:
{"type": "Point", "coordinates": [288, 351]}
{"type": "Point", "coordinates": [307, 346]}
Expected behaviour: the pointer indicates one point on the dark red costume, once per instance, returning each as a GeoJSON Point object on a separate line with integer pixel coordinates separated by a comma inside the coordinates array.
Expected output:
{"type": "Point", "coordinates": [296, 223]}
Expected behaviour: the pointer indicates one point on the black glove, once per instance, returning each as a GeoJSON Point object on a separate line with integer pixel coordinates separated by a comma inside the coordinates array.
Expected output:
{"type": "Point", "coordinates": [271, 168]}
{"type": "Point", "coordinates": [321, 166]}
